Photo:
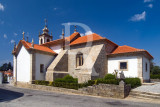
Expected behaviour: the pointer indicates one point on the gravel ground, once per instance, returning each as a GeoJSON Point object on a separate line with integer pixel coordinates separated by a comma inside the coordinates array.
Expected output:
{"type": "Point", "coordinates": [149, 88]}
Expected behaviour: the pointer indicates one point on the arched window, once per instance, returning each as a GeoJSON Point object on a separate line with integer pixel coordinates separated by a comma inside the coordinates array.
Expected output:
{"type": "Point", "coordinates": [41, 41]}
{"type": "Point", "coordinates": [79, 59]}
{"type": "Point", "coordinates": [48, 40]}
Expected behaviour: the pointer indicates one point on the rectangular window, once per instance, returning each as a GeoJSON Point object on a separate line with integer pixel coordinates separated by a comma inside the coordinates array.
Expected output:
{"type": "Point", "coordinates": [146, 67]}
{"type": "Point", "coordinates": [123, 66]}
{"type": "Point", "coordinates": [41, 68]}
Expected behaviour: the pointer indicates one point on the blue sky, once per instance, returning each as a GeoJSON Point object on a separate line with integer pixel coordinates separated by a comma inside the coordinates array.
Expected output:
{"type": "Point", "coordinates": [134, 23]}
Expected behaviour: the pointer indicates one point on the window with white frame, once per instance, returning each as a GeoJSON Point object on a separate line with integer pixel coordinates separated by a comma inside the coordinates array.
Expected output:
{"type": "Point", "coordinates": [123, 65]}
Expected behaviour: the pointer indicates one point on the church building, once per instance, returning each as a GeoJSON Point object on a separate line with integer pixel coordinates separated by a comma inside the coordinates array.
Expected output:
{"type": "Point", "coordinates": [84, 57]}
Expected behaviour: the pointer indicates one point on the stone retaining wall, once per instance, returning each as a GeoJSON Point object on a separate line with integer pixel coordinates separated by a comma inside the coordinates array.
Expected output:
{"type": "Point", "coordinates": [105, 90]}
{"type": "Point", "coordinates": [155, 80]}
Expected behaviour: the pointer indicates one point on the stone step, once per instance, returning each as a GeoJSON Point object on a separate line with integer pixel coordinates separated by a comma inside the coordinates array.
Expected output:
{"type": "Point", "coordinates": [148, 93]}
{"type": "Point", "coordinates": [144, 95]}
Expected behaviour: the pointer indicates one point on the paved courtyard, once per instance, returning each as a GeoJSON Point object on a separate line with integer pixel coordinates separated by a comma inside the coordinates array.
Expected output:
{"type": "Point", "coordinates": [152, 88]}
{"type": "Point", "coordinates": [18, 97]}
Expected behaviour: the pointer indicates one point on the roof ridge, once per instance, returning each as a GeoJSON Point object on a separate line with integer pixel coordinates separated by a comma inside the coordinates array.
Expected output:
{"type": "Point", "coordinates": [133, 47]}
{"type": "Point", "coordinates": [128, 49]}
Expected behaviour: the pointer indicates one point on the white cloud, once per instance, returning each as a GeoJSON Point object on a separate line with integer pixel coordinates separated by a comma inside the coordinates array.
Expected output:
{"type": "Point", "coordinates": [82, 34]}
{"type": "Point", "coordinates": [5, 36]}
{"type": "Point", "coordinates": [145, 1]}
{"type": "Point", "coordinates": [69, 23]}
{"type": "Point", "coordinates": [88, 33]}
{"type": "Point", "coordinates": [1, 7]}
{"type": "Point", "coordinates": [150, 5]}
{"type": "Point", "coordinates": [139, 17]}
{"type": "Point", "coordinates": [12, 41]}
{"type": "Point", "coordinates": [15, 34]}
{"type": "Point", "coordinates": [55, 8]}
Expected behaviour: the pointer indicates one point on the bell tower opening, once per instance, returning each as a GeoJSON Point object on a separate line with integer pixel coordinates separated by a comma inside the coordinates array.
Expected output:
{"type": "Point", "coordinates": [48, 40]}
{"type": "Point", "coordinates": [45, 36]}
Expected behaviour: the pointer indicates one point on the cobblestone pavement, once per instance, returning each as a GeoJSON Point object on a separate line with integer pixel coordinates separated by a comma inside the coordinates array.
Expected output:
{"type": "Point", "coordinates": [18, 97]}
{"type": "Point", "coordinates": [154, 88]}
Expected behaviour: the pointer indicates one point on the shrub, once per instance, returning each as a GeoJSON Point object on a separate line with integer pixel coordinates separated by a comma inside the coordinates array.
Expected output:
{"type": "Point", "coordinates": [81, 85]}
{"type": "Point", "coordinates": [155, 76]}
{"type": "Point", "coordinates": [67, 79]}
{"type": "Point", "coordinates": [66, 85]}
{"type": "Point", "coordinates": [91, 82]}
{"type": "Point", "coordinates": [135, 82]}
{"type": "Point", "coordinates": [41, 82]}
{"type": "Point", "coordinates": [109, 76]}
{"type": "Point", "coordinates": [50, 83]}
{"type": "Point", "coordinates": [109, 81]}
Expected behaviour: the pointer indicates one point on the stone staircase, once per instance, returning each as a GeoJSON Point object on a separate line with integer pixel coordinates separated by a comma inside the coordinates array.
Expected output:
{"type": "Point", "coordinates": [144, 95]}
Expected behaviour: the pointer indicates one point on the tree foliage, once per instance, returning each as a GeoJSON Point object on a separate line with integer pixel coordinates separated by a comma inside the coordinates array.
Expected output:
{"type": "Point", "coordinates": [6, 66]}
{"type": "Point", "coordinates": [155, 69]}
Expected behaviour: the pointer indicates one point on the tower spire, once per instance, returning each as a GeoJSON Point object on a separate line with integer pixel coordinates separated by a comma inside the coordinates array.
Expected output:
{"type": "Point", "coordinates": [45, 36]}
{"type": "Point", "coordinates": [75, 30]}
{"type": "Point", "coordinates": [23, 34]}
{"type": "Point", "coordinates": [32, 43]}
{"type": "Point", "coordinates": [62, 33]}
{"type": "Point", "coordinates": [45, 29]}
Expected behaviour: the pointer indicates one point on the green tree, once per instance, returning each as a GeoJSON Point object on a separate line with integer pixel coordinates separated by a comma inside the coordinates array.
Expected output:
{"type": "Point", "coordinates": [10, 66]}
{"type": "Point", "coordinates": [6, 67]}
{"type": "Point", "coordinates": [155, 70]}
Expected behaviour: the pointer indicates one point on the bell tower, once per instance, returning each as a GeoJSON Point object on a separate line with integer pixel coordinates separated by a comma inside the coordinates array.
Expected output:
{"type": "Point", "coordinates": [45, 36]}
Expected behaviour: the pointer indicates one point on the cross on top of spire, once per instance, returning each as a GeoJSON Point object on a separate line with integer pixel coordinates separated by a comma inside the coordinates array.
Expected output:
{"type": "Point", "coordinates": [45, 30]}
{"type": "Point", "coordinates": [45, 20]}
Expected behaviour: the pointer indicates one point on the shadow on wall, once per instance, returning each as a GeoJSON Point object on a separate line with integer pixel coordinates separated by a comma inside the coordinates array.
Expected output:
{"type": "Point", "coordinates": [7, 95]}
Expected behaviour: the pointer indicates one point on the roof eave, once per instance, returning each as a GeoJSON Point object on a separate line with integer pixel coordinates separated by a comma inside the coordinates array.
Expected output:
{"type": "Point", "coordinates": [151, 57]}
{"type": "Point", "coordinates": [31, 49]}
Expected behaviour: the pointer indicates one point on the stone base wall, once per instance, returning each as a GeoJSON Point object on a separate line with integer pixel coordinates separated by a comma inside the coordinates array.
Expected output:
{"type": "Point", "coordinates": [105, 90]}
{"type": "Point", "coordinates": [155, 80]}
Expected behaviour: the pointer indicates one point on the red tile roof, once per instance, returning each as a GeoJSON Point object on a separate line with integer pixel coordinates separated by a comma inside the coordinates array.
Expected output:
{"type": "Point", "coordinates": [128, 49]}
{"type": "Point", "coordinates": [73, 36]}
{"type": "Point", "coordinates": [76, 39]}
{"type": "Point", "coordinates": [54, 42]}
{"type": "Point", "coordinates": [87, 38]}
{"type": "Point", "coordinates": [28, 45]}
{"type": "Point", "coordinates": [59, 41]}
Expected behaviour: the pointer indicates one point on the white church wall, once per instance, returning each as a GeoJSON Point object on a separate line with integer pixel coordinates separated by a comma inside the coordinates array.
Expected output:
{"type": "Point", "coordinates": [23, 65]}
{"type": "Point", "coordinates": [56, 48]}
{"type": "Point", "coordinates": [42, 59]}
{"type": "Point", "coordinates": [146, 74]}
{"type": "Point", "coordinates": [114, 63]}
{"type": "Point", "coordinates": [14, 66]}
